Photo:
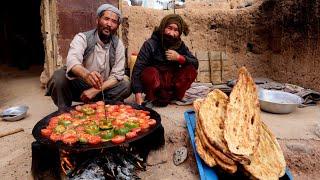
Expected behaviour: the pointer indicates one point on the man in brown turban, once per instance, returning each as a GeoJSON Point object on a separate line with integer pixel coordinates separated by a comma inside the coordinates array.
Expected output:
{"type": "Point", "coordinates": [165, 68]}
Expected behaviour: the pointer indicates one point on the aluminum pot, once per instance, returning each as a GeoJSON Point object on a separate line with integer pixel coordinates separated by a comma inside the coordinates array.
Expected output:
{"type": "Point", "coordinates": [278, 102]}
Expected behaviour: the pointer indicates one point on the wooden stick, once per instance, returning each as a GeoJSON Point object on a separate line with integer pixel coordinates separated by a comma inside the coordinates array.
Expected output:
{"type": "Point", "coordinates": [11, 132]}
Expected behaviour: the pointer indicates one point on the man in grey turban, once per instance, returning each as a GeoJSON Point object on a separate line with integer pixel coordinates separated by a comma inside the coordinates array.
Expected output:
{"type": "Point", "coordinates": [95, 64]}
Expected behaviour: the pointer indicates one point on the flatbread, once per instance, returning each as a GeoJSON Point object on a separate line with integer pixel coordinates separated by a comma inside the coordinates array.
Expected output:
{"type": "Point", "coordinates": [242, 123]}
{"type": "Point", "coordinates": [211, 148]}
{"type": "Point", "coordinates": [268, 161]}
{"type": "Point", "coordinates": [211, 117]}
{"type": "Point", "coordinates": [206, 157]}
{"type": "Point", "coordinates": [211, 152]}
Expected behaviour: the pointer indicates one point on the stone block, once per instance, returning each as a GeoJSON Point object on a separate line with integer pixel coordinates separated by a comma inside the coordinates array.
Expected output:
{"type": "Point", "coordinates": [223, 55]}
{"type": "Point", "coordinates": [204, 77]}
{"type": "Point", "coordinates": [215, 65]}
{"type": "Point", "coordinates": [226, 65]}
{"type": "Point", "coordinates": [204, 66]}
{"type": "Point", "coordinates": [216, 77]}
{"type": "Point", "coordinates": [215, 55]}
{"type": "Point", "coordinates": [202, 55]}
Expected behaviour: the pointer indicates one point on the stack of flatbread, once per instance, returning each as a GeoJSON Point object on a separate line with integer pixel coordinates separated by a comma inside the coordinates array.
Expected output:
{"type": "Point", "coordinates": [230, 134]}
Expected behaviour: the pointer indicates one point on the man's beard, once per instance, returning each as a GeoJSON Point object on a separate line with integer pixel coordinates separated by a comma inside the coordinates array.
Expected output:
{"type": "Point", "coordinates": [171, 42]}
{"type": "Point", "coordinates": [105, 37]}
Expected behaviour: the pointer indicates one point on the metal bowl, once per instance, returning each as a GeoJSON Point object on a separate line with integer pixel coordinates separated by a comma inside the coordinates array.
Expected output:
{"type": "Point", "coordinates": [14, 113]}
{"type": "Point", "coordinates": [278, 101]}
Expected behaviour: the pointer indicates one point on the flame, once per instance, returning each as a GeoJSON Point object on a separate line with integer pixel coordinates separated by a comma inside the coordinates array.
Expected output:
{"type": "Point", "coordinates": [65, 162]}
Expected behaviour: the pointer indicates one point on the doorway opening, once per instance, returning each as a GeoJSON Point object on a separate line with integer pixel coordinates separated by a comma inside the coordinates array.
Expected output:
{"type": "Point", "coordinates": [21, 41]}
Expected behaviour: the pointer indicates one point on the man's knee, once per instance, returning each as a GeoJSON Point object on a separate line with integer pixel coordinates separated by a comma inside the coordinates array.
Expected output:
{"type": "Point", "coordinates": [126, 86]}
{"type": "Point", "coordinates": [59, 78]}
{"type": "Point", "coordinates": [121, 90]}
{"type": "Point", "coordinates": [57, 82]}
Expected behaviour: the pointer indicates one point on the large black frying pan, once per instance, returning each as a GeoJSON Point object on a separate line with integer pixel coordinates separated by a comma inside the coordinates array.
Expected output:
{"type": "Point", "coordinates": [78, 147]}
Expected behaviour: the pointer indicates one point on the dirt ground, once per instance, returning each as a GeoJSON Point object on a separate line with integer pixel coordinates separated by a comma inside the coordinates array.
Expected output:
{"type": "Point", "coordinates": [298, 133]}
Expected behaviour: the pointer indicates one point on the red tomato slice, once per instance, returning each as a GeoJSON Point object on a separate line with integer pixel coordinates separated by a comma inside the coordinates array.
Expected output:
{"type": "Point", "coordinates": [93, 106]}
{"type": "Point", "coordinates": [118, 139]}
{"type": "Point", "coordinates": [53, 122]}
{"type": "Point", "coordinates": [55, 137]}
{"type": "Point", "coordinates": [100, 103]}
{"type": "Point", "coordinates": [46, 132]}
{"type": "Point", "coordinates": [136, 130]}
{"type": "Point", "coordinates": [144, 127]}
{"type": "Point", "coordinates": [94, 139]}
{"type": "Point", "coordinates": [78, 108]}
{"type": "Point", "coordinates": [80, 129]}
{"type": "Point", "coordinates": [100, 110]}
{"type": "Point", "coordinates": [152, 122]}
{"type": "Point", "coordinates": [131, 135]}
{"type": "Point", "coordinates": [115, 113]}
{"type": "Point", "coordinates": [117, 122]}
{"type": "Point", "coordinates": [69, 138]}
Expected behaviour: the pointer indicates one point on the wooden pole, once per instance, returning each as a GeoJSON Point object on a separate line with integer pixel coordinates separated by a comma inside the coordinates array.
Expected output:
{"type": "Point", "coordinates": [11, 132]}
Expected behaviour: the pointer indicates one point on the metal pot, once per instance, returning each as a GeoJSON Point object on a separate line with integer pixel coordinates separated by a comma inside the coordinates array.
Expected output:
{"type": "Point", "coordinates": [278, 101]}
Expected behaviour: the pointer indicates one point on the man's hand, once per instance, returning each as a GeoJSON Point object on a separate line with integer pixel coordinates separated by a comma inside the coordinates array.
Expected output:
{"type": "Point", "coordinates": [94, 79]}
{"type": "Point", "coordinates": [172, 55]}
{"type": "Point", "coordinates": [138, 98]}
{"type": "Point", "coordinates": [89, 94]}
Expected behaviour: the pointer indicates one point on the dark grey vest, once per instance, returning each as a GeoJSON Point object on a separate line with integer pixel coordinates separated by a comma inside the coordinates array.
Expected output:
{"type": "Point", "coordinates": [91, 42]}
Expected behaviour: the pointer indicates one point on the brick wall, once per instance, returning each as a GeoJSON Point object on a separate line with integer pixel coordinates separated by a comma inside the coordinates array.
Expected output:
{"type": "Point", "coordinates": [76, 16]}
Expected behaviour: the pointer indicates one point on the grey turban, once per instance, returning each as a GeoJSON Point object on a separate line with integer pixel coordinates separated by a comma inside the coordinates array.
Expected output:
{"type": "Point", "coordinates": [109, 7]}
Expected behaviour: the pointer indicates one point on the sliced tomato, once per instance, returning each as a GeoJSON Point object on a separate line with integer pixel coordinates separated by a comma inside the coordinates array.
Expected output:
{"type": "Point", "coordinates": [79, 108]}
{"type": "Point", "coordinates": [100, 110]}
{"type": "Point", "coordinates": [143, 121]}
{"type": "Point", "coordinates": [152, 122]}
{"type": "Point", "coordinates": [93, 106]}
{"type": "Point", "coordinates": [114, 113]}
{"type": "Point", "coordinates": [100, 103]}
{"type": "Point", "coordinates": [53, 122]}
{"type": "Point", "coordinates": [55, 137]}
{"type": "Point", "coordinates": [144, 127]}
{"type": "Point", "coordinates": [136, 130]}
{"type": "Point", "coordinates": [94, 139]}
{"type": "Point", "coordinates": [117, 122]}
{"type": "Point", "coordinates": [69, 138]}
{"type": "Point", "coordinates": [118, 139]}
{"type": "Point", "coordinates": [65, 115]}
{"type": "Point", "coordinates": [46, 132]}
{"type": "Point", "coordinates": [80, 129]}
{"type": "Point", "coordinates": [131, 135]}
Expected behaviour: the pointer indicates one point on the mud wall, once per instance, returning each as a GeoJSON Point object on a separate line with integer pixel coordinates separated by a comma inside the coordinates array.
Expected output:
{"type": "Point", "coordinates": [274, 39]}
{"type": "Point", "coordinates": [74, 17]}
{"type": "Point", "coordinates": [294, 41]}
{"type": "Point", "coordinates": [213, 27]}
